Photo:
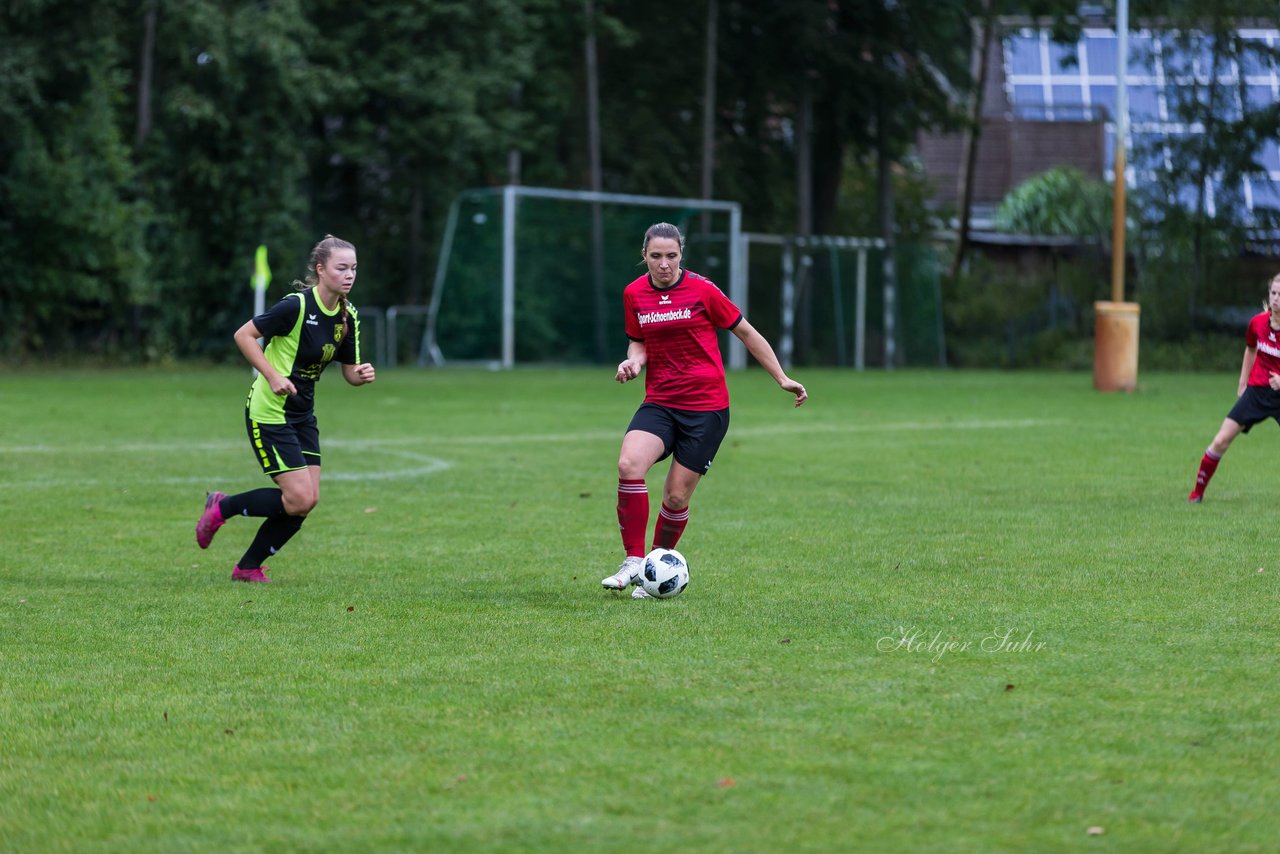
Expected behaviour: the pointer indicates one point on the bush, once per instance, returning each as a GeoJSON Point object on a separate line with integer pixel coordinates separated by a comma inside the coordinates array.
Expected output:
{"type": "Point", "coordinates": [1207, 352]}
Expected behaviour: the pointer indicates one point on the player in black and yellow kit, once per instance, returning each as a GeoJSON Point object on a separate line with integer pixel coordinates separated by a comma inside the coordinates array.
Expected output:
{"type": "Point", "coordinates": [304, 332]}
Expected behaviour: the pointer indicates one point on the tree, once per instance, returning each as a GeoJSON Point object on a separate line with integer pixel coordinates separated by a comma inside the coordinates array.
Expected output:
{"type": "Point", "coordinates": [426, 114]}
{"type": "Point", "coordinates": [69, 216]}
{"type": "Point", "coordinates": [984, 31]}
{"type": "Point", "coordinates": [1194, 198]}
{"type": "Point", "coordinates": [225, 163]}
{"type": "Point", "coordinates": [985, 22]}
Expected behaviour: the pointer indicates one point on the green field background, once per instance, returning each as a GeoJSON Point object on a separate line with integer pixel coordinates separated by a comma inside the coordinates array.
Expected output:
{"type": "Point", "coordinates": [435, 667]}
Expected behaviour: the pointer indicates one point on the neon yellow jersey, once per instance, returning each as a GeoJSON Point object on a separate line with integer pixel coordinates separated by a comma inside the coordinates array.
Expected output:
{"type": "Point", "coordinates": [302, 337]}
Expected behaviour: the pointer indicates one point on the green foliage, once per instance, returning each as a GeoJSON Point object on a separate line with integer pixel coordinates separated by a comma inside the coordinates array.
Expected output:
{"type": "Point", "coordinates": [270, 124]}
{"type": "Point", "coordinates": [1195, 353]}
{"type": "Point", "coordinates": [980, 307]}
{"type": "Point", "coordinates": [1062, 201]}
{"type": "Point", "coordinates": [424, 115]}
{"type": "Point", "coordinates": [1188, 240]}
{"type": "Point", "coordinates": [913, 216]}
{"type": "Point", "coordinates": [226, 164]}
{"type": "Point", "coordinates": [878, 73]}
{"type": "Point", "coordinates": [69, 217]}
{"type": "Point", "coordinates": [279, 121]}
{"type": "Point", "coordinates": [1174, 252]}
{"type": "Point", "coordinates": [997, 314]}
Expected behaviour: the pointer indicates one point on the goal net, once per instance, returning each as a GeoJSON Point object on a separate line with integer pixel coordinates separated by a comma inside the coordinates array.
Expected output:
{"type": "Point", "coordinates": [829, 300]}
{"type": "Point", "coordinates": [530, 274]}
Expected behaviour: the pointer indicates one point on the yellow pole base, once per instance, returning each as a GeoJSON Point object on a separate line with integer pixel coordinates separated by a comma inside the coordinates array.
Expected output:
{"type": "Point", "coordinates": [1115, 346]}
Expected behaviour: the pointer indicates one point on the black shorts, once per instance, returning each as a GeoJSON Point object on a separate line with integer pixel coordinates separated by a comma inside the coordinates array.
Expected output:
{"type": "Point", "coordinates": [694, 436]}
{"type": "Point", "coordinates": [284, 447]}
{"type": "Point", "coordinates": [1258, 403]}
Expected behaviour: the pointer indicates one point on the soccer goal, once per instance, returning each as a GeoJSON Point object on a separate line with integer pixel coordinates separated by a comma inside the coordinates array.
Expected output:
{"type": "Point", "coordinates": [531, 274]}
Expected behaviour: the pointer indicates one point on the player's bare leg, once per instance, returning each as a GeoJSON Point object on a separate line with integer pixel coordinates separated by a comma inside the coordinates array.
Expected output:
{"type": "Point", "coordinates": [299, 490]}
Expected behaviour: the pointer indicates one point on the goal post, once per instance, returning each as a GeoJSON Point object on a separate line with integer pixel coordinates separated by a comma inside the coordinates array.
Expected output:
{"type": "Point", "coordinates": [535, 275]}
{"type": "Point", "coordinates": [521, 278]}
{"type": "Point", "coordinates": [826, 300]}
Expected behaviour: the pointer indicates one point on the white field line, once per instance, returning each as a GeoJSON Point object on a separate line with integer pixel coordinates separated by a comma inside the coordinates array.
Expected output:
{"type": "Point", "coordinates": [417, 465]}
{"type": "Point", "coordinates": [531, 438]}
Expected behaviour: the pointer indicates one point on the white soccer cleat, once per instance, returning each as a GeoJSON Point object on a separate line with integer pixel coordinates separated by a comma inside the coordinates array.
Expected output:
{"type": "Point", "coordinates": [628, 573]}
{"type": "Point", "coordinates": [639, 593]}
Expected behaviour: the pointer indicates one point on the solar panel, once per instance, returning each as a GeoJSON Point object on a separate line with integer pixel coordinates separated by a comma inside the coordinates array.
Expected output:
{"type": "Point", "coordinates": [1144, 103]}
{"type": "Point", "coordinates": [1265, 194]}
{"type": "Point", "coordinates": [1259, 96]}
{"type": "Point", "coordinates": [1058, 82]}
{"type": "Point", "coordinates": [1023, 54]}
{"type": "Point", "coordinates": [1067, 95]}
{"type": "Point", "coordinates": [1060, 57]}
{"type": "Point", "coordinates": [1104, 97]}
{"type": "Point", "coordinates": [1254, 63]}
{"type": "Point", "coordinates": [1028, 96]}
{"type": "Point", "coordinates": [1100, 56]}
{"type": "Point", "coordinates": [1270, 156]}
{"type": "Point", "coordinates": [1142, 52]}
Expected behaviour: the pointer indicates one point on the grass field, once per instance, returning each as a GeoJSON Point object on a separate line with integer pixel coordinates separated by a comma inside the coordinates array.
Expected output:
{"type": "Point", "coordinates": [928, 612]}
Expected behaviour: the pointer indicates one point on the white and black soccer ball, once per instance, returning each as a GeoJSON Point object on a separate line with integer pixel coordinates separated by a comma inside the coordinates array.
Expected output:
{"type": "Point", "coordinates": [665, 573]}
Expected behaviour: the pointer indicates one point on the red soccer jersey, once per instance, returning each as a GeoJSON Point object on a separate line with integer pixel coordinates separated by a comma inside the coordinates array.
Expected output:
{"type": "Point", "coordinates": [1260, 334]}
{"type": "Point", "coordinates": [678, 327]}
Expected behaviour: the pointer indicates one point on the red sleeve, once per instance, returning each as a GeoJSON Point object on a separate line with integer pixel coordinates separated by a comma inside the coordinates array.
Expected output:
{"type": "Point", "coordinates": [1251, 335]}
{"type": "Point", "coordinates": [629, 311]}
{"type": "Point", "coordinates": [721, 311]}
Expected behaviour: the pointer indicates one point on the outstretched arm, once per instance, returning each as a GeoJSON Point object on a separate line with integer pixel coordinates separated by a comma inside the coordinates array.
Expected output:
{"type": "Point", "coordinates": [758, 347]}
{"type": "Point", "coordinates": [630, 367]}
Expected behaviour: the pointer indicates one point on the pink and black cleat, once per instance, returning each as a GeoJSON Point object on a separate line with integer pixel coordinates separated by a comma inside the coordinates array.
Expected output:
{"type": "Point", "coordinates": [256, 574]}
{"type": "Point", "coordinates": [210, 520]}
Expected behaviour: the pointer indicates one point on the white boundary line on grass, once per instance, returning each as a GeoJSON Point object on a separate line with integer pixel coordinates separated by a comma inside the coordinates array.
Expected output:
{"type": "Point", "coordinates": [423, 465]}
{"type": "Point", "coordinates": [521, 438]}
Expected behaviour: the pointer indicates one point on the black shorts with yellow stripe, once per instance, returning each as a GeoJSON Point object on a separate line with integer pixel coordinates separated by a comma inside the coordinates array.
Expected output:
{"type": "Point", "coordinates": [284, 447]}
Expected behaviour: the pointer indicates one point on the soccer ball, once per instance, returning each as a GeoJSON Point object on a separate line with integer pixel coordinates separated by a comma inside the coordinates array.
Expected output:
{"type": "Point", "coordinates": [665, 574]}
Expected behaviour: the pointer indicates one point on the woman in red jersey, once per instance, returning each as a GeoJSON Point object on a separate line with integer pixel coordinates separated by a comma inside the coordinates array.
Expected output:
{"type": "Point", "coordinates": [672, 318]}
{"type": "Point", "coordinates": [1258, 390]}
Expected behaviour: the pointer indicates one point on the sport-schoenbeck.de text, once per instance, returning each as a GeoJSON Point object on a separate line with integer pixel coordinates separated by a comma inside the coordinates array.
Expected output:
{"type": "Point", "coordinates": [663, 316]}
